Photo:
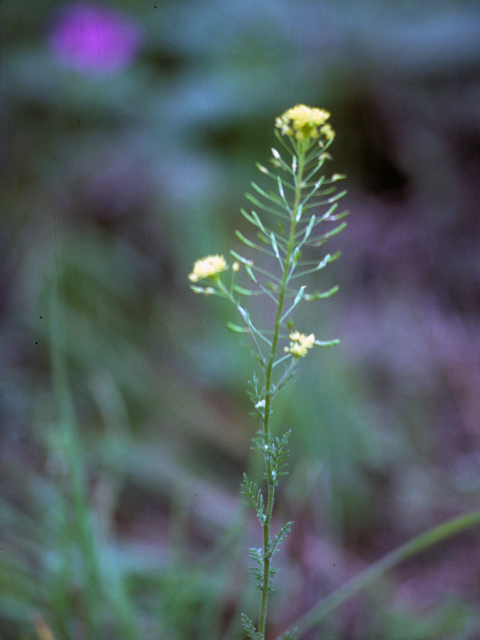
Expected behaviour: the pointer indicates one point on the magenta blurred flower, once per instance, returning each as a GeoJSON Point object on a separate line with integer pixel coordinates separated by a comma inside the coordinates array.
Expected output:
{"type": "Point", "coordinates": [95, 39]}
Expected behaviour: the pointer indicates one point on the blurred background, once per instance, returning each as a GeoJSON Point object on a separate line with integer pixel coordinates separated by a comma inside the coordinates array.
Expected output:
{"type": "Point", "coordinates": [128, 136]}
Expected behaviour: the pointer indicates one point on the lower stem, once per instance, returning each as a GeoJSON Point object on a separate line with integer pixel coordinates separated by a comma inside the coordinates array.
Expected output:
{"type": "Point", "coordinates": [266, 563]}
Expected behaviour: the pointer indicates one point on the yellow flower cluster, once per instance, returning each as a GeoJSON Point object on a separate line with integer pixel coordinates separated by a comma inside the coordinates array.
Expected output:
{"type": "Point", "coordinates": [304, 122]}
{"type": "Point", "coordinates": [207, 267]}
{"type": "Point", "coordinates": [300, 343]}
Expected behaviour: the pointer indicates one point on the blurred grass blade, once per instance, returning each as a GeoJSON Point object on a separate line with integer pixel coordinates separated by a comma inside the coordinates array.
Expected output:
{"type": "Point", "coordinates": [378, 569]}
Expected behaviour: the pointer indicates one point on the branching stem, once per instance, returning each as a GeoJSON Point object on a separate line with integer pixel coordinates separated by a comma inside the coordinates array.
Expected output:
{"type": "Point", "coordinates": [270, 392]}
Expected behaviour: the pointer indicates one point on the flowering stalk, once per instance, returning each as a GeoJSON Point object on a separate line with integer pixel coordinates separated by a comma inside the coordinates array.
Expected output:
{"type": "Point", "coordinates": [300, 193]}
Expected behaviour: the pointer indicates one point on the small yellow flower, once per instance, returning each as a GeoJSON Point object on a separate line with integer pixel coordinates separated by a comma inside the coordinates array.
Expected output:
{"type": "Point", "coordinates": [207, 267]}
{"type": "Point", "coordinates": [300, 343]}
{"type": "Point", "coordinates": [327, 131]}
{"type": "Point", "coordinates": [304, 122]}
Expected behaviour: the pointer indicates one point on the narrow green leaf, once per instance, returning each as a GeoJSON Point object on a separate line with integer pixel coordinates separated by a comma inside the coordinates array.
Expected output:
{"type": "Point", "coordinates": [263, 206]}
{"type": "Point", "coordinates": [245, 240]}
{"type": "Point", "coordinates": [263, 238]}
{"type": "Point", "coordinates": [338, 196]}
{"type": "Point", "coordinates": [339, 215]}
{"type": "Point", "coordinates": [259, 222]}
{"type": "Point", "coordinates": [262, 169]}
{"type": "Point", "coordinates": [327, 191]}
{"type": "Point", "coordinates": [321, 265]}
{"type": "Point", "coordinates": [241, 258]}
{"type": "Point", "coordinates": [236, 328]}
{"type": "Point", "coordinates": [309, 297]}
{"type": "Point", "coordinates": [268, 196]}
{"type": "Point", "coordinates": [327, 343]}
{"type": "Point", "coordinates": [329, 258]}
{"type": "Point", "coordinates": [246, 215]}
{"type": "Point", "coordinates": [297, 254]}
{"type": "Point", "coordinates": [299, 295]}
{"type": "Point", "coordinates": [317, 242]}
{"type": "Point", "coordinates": [248, 269]}
{"type": "Point", "coordinates": [308, 230]}
{"type": "Point", "coordinates": [242, 291]}
{"type": "Point", "coordinates": [275, 248]}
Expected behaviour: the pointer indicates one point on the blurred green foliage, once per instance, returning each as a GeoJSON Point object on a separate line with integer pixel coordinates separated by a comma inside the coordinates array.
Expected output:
{"type": "Point", "coordinates": [119, 486]}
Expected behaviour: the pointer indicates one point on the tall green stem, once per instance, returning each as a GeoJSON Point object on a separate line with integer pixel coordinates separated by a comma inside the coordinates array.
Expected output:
{"type": "Point", "coordinates": [269, 392]}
